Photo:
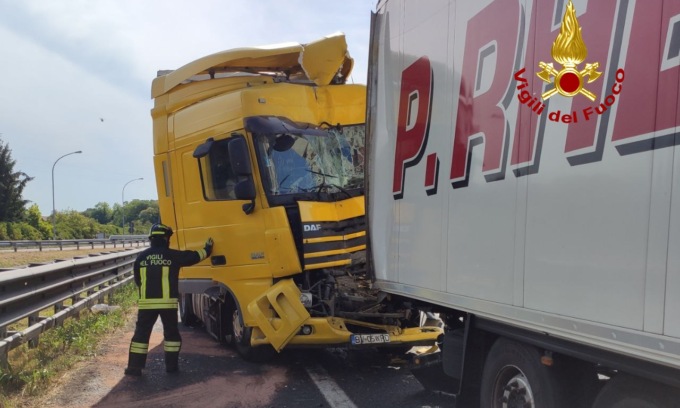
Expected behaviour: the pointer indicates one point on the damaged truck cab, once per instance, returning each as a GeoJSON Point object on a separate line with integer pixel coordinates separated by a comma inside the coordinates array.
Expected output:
{"type": "Point", "coordinates": [262, 150]}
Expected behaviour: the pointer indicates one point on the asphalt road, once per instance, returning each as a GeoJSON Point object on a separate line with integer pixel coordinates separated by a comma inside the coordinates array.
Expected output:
{"type": "Point", "coordinates": [213, 375]}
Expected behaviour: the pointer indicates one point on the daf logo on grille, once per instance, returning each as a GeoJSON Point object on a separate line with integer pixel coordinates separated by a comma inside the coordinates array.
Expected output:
{"type": "Point", "coordinates": [312, 227]}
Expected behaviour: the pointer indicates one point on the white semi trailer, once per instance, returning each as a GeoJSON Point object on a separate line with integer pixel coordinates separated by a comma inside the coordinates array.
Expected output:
{"type": "Point", "coordinates": [523, 180]}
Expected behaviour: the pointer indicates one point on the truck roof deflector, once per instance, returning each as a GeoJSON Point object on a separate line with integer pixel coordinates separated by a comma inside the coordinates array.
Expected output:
{"type": "Point", "coordinates": [322, 61]}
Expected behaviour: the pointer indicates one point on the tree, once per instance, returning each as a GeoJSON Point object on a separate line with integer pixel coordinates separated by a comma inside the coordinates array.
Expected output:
{"type": "Point", "coordinates": [12, 184]}
{"type": "Point", "coordinates": [101, 212]}
{"type": "Point", "coordinates": [134, 208]}
{"type": "Point", "coordinates": [150, 215]}
{"type": "Point", "coordinates": [74, 225]}
{"type": "Point", "coordinates": [144, 211]}
{"type": "Point", "coordinates": [34, 219]}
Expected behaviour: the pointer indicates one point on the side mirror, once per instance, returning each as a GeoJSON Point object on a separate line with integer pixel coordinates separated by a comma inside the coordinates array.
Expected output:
{"type": "Point", "coordinates": [204, 148]}
{"type": "Point", "coordinates": [239, 156]}
{"type": "Point", "coordinates": [245, 190]}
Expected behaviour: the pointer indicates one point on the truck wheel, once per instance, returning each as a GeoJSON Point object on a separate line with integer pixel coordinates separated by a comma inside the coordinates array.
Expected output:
{"type": "Point", "coordinates": [514, 377]}
{"type": "Point", "coordinates": [623, 391]}
{"type": "Point", "coordinates": [241, 341]}
{"type": "Point", "coordinates": [186, 310]}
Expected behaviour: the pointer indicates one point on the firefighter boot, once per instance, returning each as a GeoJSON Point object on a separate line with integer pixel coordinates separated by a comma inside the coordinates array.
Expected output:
{"type": "Point", "coordinates": [171, 362]}
{"type": "Point", "coordinates": [136, 372]}
{"type": "Point", "coordinates": [136, 359]}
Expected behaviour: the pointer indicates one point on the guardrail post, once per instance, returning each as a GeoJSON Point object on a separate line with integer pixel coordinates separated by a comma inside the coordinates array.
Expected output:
{"type": "Point", "coordinates": [61, 246]}
{"type": "Point", "coordinates": [40, 246]}
{"type": "Point", "coordinates": [75, 299]}
{"type": "Point", "coordinates": [16, 247]}
{"type": "Point", "coordinates": [3, 357]}
{"type": "Point", "coordinates": [109, 293]}
{"type": "Point", "coordinates": [33, 319]}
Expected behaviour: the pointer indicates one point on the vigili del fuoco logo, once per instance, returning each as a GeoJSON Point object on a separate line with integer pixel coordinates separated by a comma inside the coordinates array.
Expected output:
{"type": "Point", "coordinates": [570, 51]}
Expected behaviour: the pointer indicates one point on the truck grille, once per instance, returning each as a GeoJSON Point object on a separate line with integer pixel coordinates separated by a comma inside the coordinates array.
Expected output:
{"type": "Point", "coordinates": [332, 243]}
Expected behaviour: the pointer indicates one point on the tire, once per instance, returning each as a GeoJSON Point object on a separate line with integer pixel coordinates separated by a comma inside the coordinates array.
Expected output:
{"type": "Point", "coordinates": [241, 341]}
{"type": "Point", "coordinates": [186, 310]}
{"type": "Point", "coordinates": [624, 391]}
{"type": "Point", "coordinates": [513, 376]}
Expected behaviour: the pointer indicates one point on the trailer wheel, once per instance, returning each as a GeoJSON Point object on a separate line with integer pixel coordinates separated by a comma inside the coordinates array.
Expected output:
{"type": "Point", "coordinates": [241, 341]}
{"type": "Point", "coordinates": [186, 310]}
{"type": "Point", "coordinates": [623, 391]}
{"type": "Point", "coordinates": [514, 377]}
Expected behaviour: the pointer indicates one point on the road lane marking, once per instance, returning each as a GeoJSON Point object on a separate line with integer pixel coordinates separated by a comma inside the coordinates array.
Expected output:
{"type": "Point", "coordinates": [334, 395]}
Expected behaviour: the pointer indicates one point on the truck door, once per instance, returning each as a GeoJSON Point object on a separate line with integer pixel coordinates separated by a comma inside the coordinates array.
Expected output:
{"type": "Point", "coordinates": [211, 209]}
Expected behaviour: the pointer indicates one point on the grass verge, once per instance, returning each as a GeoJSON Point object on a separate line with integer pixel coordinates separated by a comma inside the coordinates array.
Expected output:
{"type": "Point", "coordinates": [31, 371]}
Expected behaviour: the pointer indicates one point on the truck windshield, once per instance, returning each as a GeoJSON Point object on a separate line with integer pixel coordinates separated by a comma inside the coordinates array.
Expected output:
{"type": "Point", "coordinates": [329, 161]}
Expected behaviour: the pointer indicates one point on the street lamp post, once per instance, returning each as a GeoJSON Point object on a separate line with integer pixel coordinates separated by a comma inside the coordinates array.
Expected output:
{"type": "Point", "coordinates": [54, 210]}
{"type": "Point", "coordinates": [122, 208]}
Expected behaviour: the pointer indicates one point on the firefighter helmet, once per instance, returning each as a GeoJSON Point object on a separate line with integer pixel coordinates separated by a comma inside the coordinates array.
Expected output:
{"type": "Point", "coordinates": [160, 230]}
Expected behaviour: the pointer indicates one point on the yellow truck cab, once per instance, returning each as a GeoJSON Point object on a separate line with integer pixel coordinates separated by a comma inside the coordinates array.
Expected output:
{"type": "Point", "coordinates": [262, 149]}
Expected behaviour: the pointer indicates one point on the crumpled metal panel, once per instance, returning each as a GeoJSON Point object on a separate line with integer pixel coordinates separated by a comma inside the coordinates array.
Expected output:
{"type": "Point", "coordinates": [320, 61]}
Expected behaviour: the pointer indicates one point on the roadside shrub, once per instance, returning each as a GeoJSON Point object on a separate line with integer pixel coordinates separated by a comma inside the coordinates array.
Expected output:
{"type": "Point", "coordinates": [29, 232]}
{"type": "Point", "coordinates": [13, 231]}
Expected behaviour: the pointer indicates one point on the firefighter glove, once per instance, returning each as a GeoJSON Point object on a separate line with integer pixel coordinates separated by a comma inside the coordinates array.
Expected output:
{"type": "Point", "coordinates": [208, 246]}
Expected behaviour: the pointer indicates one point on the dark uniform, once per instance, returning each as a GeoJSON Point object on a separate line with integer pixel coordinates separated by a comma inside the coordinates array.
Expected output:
{"type": "Point", "coordinates": [156, 272]}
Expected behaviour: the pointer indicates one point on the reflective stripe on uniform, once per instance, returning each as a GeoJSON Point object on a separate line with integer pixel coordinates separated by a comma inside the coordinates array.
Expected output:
{"type": "Point", "coordinates": [172, 346]}
{"type": "Point", "coordinates": [139, 348]}
{"type": "Point", "coordinates": [158, 303]}
{"type": "Point", "coordinates": [142, 287]}
{"type": "Point", "coordinates": [202, 254]}
{"type": "Point", "coordinates": [165, 282]}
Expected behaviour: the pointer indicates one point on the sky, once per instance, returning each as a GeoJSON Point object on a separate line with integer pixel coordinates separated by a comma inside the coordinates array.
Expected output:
{"type": "Point", "coordinates": [76, 76]}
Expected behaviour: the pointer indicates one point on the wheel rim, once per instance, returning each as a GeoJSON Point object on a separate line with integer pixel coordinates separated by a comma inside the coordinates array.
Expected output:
{"type": "Point", "coordinates": [512, 389]}
{"type": "Point", "coordinates": [237, 326]}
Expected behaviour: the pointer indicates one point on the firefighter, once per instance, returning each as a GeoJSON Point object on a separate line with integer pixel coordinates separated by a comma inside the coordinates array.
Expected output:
{"type": "Point", "coordinates": [156, 272]}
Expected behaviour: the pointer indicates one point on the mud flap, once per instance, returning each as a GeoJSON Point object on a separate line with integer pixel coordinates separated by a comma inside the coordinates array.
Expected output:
{"type": "Point", "coordinates": [429, 371]}
{"type": "Point", "coordinates": [279, 313]}
{"type": "Point", "coordinates": [441, 367]}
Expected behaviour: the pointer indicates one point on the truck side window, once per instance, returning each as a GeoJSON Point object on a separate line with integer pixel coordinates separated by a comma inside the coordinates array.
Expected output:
{"type": "Point", "coordinates": [218, 177]}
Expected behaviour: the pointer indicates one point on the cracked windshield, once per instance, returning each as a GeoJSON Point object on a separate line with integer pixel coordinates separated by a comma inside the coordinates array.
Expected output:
{"type": "Point", "coordinates": [310, 162]}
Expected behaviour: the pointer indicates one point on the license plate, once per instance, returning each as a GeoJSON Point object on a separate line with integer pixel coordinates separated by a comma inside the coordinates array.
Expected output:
{"type": "Point", "coordinates": [370, 338]}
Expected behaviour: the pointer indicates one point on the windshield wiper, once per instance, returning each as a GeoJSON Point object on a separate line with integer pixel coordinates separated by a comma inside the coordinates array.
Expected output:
{"type": "Point", "coordinates": [323, 184]}
{"type": "Point", "coordinates": [341, 189]}
{"type": "Point", "coordinates": [321, 174]}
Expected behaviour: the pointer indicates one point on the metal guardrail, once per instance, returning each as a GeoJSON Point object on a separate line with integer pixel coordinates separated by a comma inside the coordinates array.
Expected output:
{"type": "Point", "coordinates": [128, 237]}
{"type": "Point", "coordinates": [25, 292]}
{"type": "Point", "coordinates": [70, 243]}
